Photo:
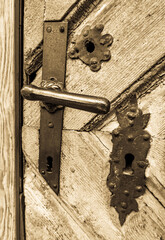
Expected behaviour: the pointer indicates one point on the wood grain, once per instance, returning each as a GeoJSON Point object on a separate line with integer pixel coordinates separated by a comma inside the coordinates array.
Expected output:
{"type": "Point", "coordinates": [153, 103]}
{"type": "Point", "coordinates": [7, 133]}
{"type": "Point", "coordinates": [138, 32]}
{"type": "Point", "coordinates": [46, 216]}
{"type": "Point", "coordinates": [74, 17]}
{"type": "Point", "coordinates": [92, 83]}
{"type": "Point", "coordinates": [56, 10]}
{"type": "Point", "coordinates": [83, 193]}
{"type": "Point", "coordinates": [33, 24]}
{"type": "Point", "coordinates": [82, 210]}
{"type": "Point", "coordinates": [85, 166]}
{"type": "Point", "coordinates": [140, 57]}
{"type": "Point", "coordinates": [144, 84]}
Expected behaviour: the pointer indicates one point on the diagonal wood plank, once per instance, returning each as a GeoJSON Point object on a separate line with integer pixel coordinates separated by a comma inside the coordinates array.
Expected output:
{"type": "Point", "coordinates": [74, 17]}
{"type": "Point", "coordinates": [84, 191]}
{"type": "Point", "coordinates": [132, 54]}
{"type": "Point", "coordinates": [30, 149]}
{"type": "Point", "coordinates": [134, 27]}
{"type": "Point", "coordinates": [43, 208]}
{"type": "Point", "coordinates": [154, 103]}
{"type": "Point", "coordinates": [83, 187]}
{"type": "Point", "coordinates": [33, 24]}
{"type": "Point", "coordinates": [144, 84]}
{"type": "Point", "coordinates": [55, 10]}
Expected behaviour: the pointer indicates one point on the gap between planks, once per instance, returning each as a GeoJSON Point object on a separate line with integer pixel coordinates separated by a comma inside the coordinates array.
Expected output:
{"type": "Point", "coordinates": [64, 205]}
{"type": "Point", "coordinates": [143, 85]}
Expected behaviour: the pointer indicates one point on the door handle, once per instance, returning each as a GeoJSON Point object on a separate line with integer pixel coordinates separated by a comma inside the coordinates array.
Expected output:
{"type": "Point", "coordinates": [61, 97]}
{"type": "Point", "coordinates": [53, 97]}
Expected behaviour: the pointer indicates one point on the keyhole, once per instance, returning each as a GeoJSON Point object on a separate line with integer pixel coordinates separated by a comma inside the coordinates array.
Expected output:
{"type": "Point", "coordinates": [129, 157]}
{"type": "Point", "coordinates": [90, 47]}
{"type": "Point", "coordinates": [49, 164]}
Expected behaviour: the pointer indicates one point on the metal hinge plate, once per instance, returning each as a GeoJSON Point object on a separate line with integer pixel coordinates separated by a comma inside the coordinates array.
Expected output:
{"type": "Point", "coordinates": [54, 65]}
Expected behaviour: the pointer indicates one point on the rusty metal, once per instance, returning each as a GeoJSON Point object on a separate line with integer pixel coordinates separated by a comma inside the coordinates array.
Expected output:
{"type": "Point", "coordinates": [54, 98]}
{"type": "Point", "coordinates": [91, 47]}
{"type": "Point", "coordinates": [54, 63]}
{"type": "Point", "coordinates": [131, 143]}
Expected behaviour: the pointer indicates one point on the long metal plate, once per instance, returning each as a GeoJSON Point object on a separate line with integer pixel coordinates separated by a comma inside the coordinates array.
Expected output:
{"type": "Point", "coordinates": [54, 65]}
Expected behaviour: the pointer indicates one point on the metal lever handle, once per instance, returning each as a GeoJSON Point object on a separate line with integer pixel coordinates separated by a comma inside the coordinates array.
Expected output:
{"type": "Point", "coordinates": [73, 100]}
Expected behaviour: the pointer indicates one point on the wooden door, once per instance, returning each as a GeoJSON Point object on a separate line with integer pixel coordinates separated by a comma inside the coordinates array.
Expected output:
{"type": "Point", "coordinates": [9, 120]}
{"type": "Point", "coordinates": [82, 210]}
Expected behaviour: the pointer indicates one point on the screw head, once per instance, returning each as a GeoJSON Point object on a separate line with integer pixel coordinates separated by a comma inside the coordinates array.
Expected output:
{"type": "Point", "coordinates": [49, 29]}
{"type": "Point", "coordinates": [139, 188]}
{"type": "Point", "coordinates": [62, 29]}
{"type": "Point", "coordinates": [72, 51]}
{"type": "Point", "coordinates": [111, 185]}
{"type": "Point", "coordinates": [130, 137]}
{"type": "Point", "coordinates": [116, 132]}
{"type": "Point", "coordinates": [85, 33]}
{"type": "Point", "coordinates": [126, 192]}
{"type": "Point", "coordinates": [102, 41]}
{"type": "Point", "coordinates": [55, 186]}
{"type": "Point", "coordinates": [124, 205]}
{"type": "Point", "coordinates": [50, 125]}
{"type": "Point", "coordinates": [94, 63]}
{"type": "Point", "coordinates": [100, 27]}
{"type": "Point", "coordinates": [72, 170]}
{"type": "Point", "coordinates": [131, 115]}
{"type": "Point", "coordinates": [131, 123]}
{"type": "Point", "coordinates": [133, 109]}
{"type": "Point", "coordinates": [142, 164]}
{"type": "Point", "coordinates": [107, 54]}
{"type": "Point", "coordinates": [146, 137]}
{"type": "Point", "coordinates": [116, 160]}
{"type": "Point", "coordinates": [108, 38]}
{"type": "Point", "coordinates": [93, 60]}
{"type": "Point", "coordinates": [43, 172]}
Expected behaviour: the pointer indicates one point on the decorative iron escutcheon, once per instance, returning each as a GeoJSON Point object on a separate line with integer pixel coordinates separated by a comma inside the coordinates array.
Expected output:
{"type": "Point", "coordinates": [131, 143]}
{"type": "Point", "coordinates": [91, 47]}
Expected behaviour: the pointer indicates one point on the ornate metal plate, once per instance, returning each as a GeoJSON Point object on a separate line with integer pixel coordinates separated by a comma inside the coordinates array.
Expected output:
{"type": "Point", "coordinates": [91, 47]}
{"type": "Point", "coordinates": [131, 143]}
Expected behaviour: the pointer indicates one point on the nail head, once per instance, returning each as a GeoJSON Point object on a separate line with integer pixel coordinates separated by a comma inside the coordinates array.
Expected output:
{"type": "Point", "coordinates": [50, 125]}
{"type": "Point", "coordinates": [49, 29]}
{"type": "Point", "coordinates": [62, 29]}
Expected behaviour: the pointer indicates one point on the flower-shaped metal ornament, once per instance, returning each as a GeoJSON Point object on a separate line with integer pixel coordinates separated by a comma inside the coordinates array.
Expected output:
{"type": "Point", "coordinates": [131, 143]}
{"type": "Point", "coordinates": [91, 47]}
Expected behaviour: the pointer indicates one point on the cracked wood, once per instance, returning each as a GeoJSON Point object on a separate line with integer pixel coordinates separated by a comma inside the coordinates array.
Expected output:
{"type": "Point", "coordinates": [7, 131]}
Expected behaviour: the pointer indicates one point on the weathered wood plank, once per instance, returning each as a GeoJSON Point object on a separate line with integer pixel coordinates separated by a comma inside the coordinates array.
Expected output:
{"type": "Point", "coordinates": [153, 103]}
{"type": "Point", "coordinates": [132, 54]}
{"type": "Point", "coordinates": [74, 18]}
{"type": "Point", "coordinates": [133, 26]}
{"type": "Point", "coordinates": [148, 223]}
{"type": "Point", "coordinates": [55, 10]}
{"type": "Point", "coordinates": [31, 110]}
{"type": "Point", "coordinates": [7, 132]}
{"type": "Point", "coordinates": [33, 24]}
{"type": "Point", "coordinates": [84, 198]}
{"type": "Point", "coordinates": [46, 217]}
{"type": "Point", "coordinates": [31, 184]}
{"type": "Point", "coordinates": [84, 169]}
{"type": "Point", "coordinates": [145, 83]}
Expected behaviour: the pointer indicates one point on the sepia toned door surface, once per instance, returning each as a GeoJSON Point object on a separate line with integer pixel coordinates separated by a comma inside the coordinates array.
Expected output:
{"type": "Point", "coordinates": [82, 210]}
